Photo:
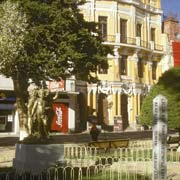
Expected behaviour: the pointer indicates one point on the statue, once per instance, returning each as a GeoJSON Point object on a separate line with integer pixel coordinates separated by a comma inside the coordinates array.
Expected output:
{"type": "Point", "coordinates": [38, 111]}
{"type": "Point", "coordinates": [31, 109]}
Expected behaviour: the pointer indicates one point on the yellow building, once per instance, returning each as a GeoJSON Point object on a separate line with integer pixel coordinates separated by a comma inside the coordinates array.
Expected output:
{"type": "Point", "coordinates": [133, 29]}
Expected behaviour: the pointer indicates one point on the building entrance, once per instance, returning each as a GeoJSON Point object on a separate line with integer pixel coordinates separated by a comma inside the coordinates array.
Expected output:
{"type": "Point", "coordinates": [124, 110]}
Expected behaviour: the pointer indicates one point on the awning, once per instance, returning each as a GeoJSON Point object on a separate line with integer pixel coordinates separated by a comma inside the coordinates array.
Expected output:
{"type": "Point", "coordinates": [6, 83]}
{"type": "Point", "coordinates": [8, 99]}
{"type": "Point", "coordinates": [7, 107]}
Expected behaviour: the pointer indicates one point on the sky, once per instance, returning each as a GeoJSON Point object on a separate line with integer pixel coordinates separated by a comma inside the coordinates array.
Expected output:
{"type": "Point", "coordinates": [171, 6]}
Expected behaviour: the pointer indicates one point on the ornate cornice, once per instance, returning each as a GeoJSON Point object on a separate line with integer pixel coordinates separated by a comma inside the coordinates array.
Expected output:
{"type": "Point", "coordinates": [120, 88]}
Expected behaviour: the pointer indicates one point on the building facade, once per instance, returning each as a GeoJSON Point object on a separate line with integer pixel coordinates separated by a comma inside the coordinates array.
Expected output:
{"type": "Point", "coordinates": [171, 28]}
{"type": "Point", "coordinates": [8, 115]}
{"type": "Point", "coordinates": [133, 30]}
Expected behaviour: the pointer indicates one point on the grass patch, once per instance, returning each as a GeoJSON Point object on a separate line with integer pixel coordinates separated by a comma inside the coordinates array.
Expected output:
{"type": "Point", "coordinates": [116, 175]}
{"type": "Point", "coordinates": [6, 169]}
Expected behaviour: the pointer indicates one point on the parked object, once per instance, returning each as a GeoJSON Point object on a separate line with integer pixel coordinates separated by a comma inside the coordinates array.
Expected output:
{"type": "Point", "coordinates": [173, 141]}
{"type": "Point", "coordinates": [108, 144]}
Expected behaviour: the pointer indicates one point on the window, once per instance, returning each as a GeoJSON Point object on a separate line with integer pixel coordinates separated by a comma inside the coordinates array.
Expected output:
{"type": "Point", "coordinates": [103, 27]}
{"type": "Point", "coordinates": [102, 70]}
{"type": "Point", "coordinates": [123, 65]}
{"type": "Point", "coordinates": [154, 68]}
{"type": "Point", "coordinates": [138, 30]}
{"type": "Point", "coordinates": [140, 68]}
{"type": "Point", "coordinates": [123, 30]}
{"type": "Point", "coordinates": [153, 34]}
{"type": "Point", "coordinates": [3, 123]}
{"type": "Point", "coordinates": [153, 3]}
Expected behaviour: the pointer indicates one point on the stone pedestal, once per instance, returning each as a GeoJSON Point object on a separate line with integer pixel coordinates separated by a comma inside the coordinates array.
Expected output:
{"type": "Point", "coordinates": [35, 158]}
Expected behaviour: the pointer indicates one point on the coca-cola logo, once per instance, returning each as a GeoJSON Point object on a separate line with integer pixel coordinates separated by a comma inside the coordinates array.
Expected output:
{"type": "Point", "coordinates": [59, 116]}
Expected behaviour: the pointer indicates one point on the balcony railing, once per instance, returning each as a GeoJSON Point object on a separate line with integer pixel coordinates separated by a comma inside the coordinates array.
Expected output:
{"type": "Point", "coordinates": [109, 38]}
{"type": "Point", "coordinates": [128, 40]}
{"type": "Point", "coordinates": [158, 47]}
{"type": "Point", "coordinates": [145, 44]}
{"type": "Point", "coordinates": [132, 41]}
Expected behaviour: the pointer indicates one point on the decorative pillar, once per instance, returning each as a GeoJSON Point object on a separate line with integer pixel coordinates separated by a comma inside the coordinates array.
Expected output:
{"type": "Point", "coordinates": [114, 104]}
{"type": "Point", "coordinates": [129, 109]}
{"type": "Point", "coordinates": [119, 103]}
{"type": "Point", "coordinates": [150, 72]}
{"type": "Point", "coordinates": [89, 99]}
{"type": "Point", "coordinates": [136, 114]}
{"type": "Point", "coordinates": [138, 103]}
{"type": "Point", "coordinates": [135, 105]}
{"type": "Point", "coordinates": [118, 37]}
{"type": "Point", "coordinates": [116, 55]}
{"type": "Point", "coordinates": [94, 105]}
{"type": "Point", "coordinates": [93, 4]}
{"type": "Point", "coordinates": [110, 106]}
{"type": "Point", "coordinates": [136, 59]}
{"type": "Point", "coordinates": [116, 63]}
{"type": "Point", "coordinates": [131, 118]}
{"type": "Point", "coordinates": [159, 69]}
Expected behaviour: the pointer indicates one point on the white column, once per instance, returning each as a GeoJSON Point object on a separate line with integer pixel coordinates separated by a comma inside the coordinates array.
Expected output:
{"type": "Point", "coordinates": [16, 123]}
{"type": "Point", "coordinates": [149, 72]}
{"type": "Point", "coordinates": [71, 113]}
{"type": "Point", "coordinates": [116, 55]}
{"type": "Point", "coordinates": [136, 59]}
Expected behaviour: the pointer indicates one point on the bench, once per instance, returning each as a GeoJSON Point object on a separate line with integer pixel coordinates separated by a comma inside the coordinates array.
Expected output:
{"type": "Point", "coordinates": [107, 144]}
{"type": "Point", "coordinates": [173, 141]}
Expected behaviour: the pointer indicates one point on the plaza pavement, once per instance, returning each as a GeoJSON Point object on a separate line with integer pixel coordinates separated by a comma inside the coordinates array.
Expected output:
{"type": "Point", "coordinates": [8, 141]}
{"type": "Point", "coordinates": [11, 139]}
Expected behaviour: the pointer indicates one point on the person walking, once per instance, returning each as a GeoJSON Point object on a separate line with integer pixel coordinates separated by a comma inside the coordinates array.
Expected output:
{"type": "Point", "coordinates": [94, 132]}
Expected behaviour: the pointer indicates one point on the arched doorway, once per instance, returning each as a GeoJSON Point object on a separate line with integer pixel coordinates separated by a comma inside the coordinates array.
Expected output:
{"type": "Point", "coordinates": [82, 112]}
{"type": "Point", "coordinates": [103, 117]}
{"type": "Point", "coordinates": [124, 110]}
{"type": "Point", "coordinates": [102, 109]}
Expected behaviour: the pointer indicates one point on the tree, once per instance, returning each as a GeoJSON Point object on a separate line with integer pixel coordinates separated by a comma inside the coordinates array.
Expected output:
{"type": "Point", "coordinates": [46, 39]}
{"type": "Point", "coordinates": [169, 86]}
{"type": "Point", "coordinates": [12, 35]}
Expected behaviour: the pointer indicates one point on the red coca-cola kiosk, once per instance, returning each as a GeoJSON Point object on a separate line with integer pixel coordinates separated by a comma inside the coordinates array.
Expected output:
{"type": "Point", "coordinates": [60, 119]}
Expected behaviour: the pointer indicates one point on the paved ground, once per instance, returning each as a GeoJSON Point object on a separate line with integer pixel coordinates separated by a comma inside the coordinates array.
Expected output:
{"type": "Point", "coordinates": [11, 140]}
{"type": "Point", "coordinates": [7, 146]}
{"type": "Point", "coordinates": [7, 153]}
{"type": "Point", "coordinates": [8, 141]}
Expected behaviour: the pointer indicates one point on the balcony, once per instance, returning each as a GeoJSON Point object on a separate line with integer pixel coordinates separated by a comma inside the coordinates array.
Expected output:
{"type": "Point", "coordinates": [128, 40]}
{"type": "Point", "coordinates": [149, 7]}
{"type": "Point", "coordinates": [132, 42]}
{"type": "Point", "coordinates": [158, 47]}
{"type": "Point", "coordinates": [145, 44]}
